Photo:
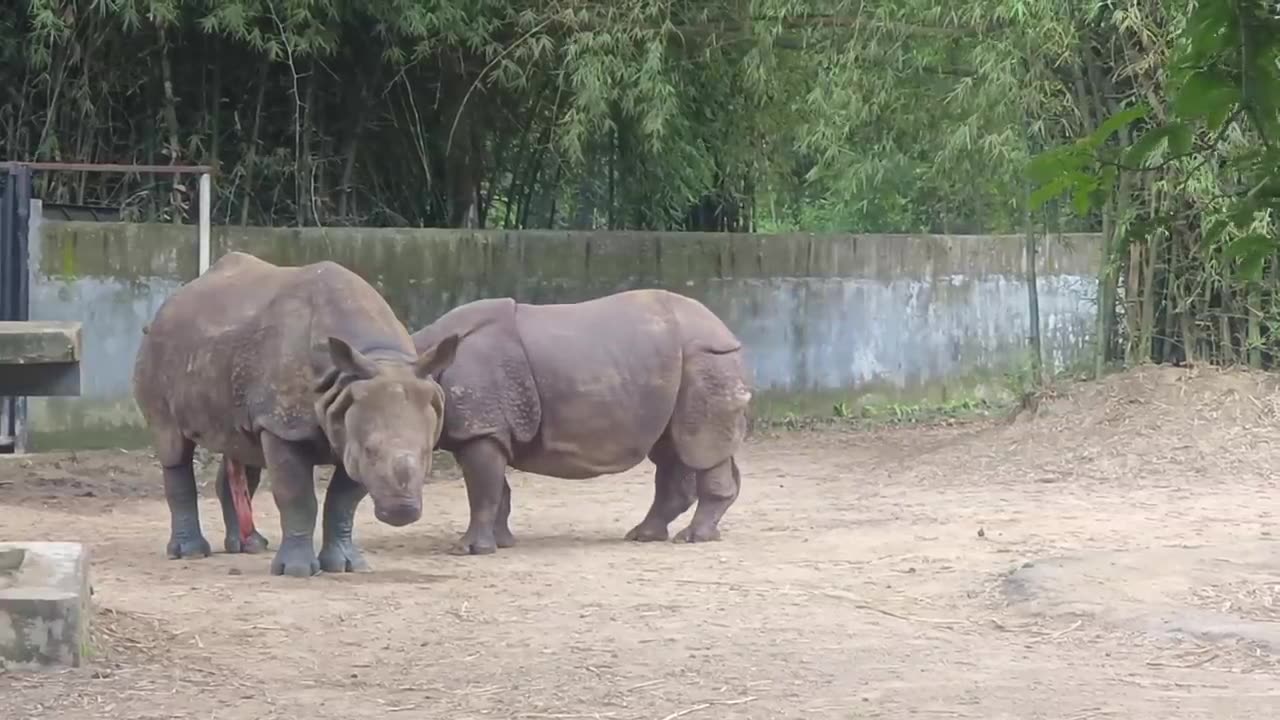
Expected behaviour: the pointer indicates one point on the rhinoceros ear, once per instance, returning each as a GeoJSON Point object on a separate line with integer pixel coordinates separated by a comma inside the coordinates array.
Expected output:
{"type": "Point", "coordinates": [349, 361]}
{"type": "Point", "coordinates": [437, 358]}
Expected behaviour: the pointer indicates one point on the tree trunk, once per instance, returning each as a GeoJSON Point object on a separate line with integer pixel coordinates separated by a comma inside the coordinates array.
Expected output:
{"type": "Point", "coordinates": [1227, 351]}
{"type": "Point", "coordinates": [612, 168]}
{"type": "Point", "coordinates": [1102, 329]}
{"type": "Point", "coordinates": [55, 78]}
{"type": "Point", "coordinates": [1133, 301]}
{"type": "Point", "coordinates": [251, 153]}
{"type": "Point", "coordinates": [1033, 292]}
{"type": "Point", "coordinates": [555, 184]}
{"type": "Point", "coordinates": [1147, 324]}
{"type": "Point", "coordinates": [346, 189]}
{"type": "Point", "coordinates": [461, 156]}
{"type": "Point", "coordinates": [174, 149]}
{"type": "Point", "coordinates": [1254, 328]}
{"type": "Point", "coordinates": [215, 114]}
{"type": "Point", "coordinates": [535, 171]}
{"type": "Point", "coordinates": [1186, 319]}
{"type": "Point", "coordinates": [306, 199]}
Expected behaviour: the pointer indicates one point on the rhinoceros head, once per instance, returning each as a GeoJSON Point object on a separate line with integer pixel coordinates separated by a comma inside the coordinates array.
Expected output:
{"type": "Point", "coordinates": [383, 420]}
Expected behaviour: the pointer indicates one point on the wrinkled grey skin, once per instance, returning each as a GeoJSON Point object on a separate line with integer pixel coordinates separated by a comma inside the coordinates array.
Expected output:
{"type": "Point", "coordinates": [288, 368]}
{"type": "Point", "coordinates": [586, 389]}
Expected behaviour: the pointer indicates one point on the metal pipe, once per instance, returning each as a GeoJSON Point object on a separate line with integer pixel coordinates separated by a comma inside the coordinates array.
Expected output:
{"type": "Point", "coordinates": [205, 194]}
{"type": "Point", "coordinates": [111, 167]}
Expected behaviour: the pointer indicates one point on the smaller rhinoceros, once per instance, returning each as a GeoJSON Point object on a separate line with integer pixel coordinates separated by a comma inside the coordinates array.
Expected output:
{"type": "Point", "coordinates": [581, 390]}
{"type": "Point", "coordinates": [288, 368]}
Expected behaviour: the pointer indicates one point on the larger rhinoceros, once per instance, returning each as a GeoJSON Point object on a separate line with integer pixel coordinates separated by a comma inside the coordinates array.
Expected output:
{"type": "Point", "coordinates": [585, 389]}
{"type": "Point", "coordinates": [288, 368]}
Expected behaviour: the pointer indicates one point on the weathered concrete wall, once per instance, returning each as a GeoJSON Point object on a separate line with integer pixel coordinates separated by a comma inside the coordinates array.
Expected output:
{"type": "Point", "coordinates": [822, 316]}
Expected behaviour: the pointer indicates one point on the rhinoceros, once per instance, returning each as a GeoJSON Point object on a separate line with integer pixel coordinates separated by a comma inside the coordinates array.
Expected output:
{"type": "Point", "coordinates": [288, 368]}
{"type": "Point", "coordinates": [586, 389]}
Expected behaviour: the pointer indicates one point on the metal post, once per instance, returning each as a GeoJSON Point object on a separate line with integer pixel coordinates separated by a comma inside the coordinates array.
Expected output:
{"type": "Point", "coordinates": [15, 298]}
{"type": "Point", "coordinates": [8, 285]}
{"type": "Point", "coordinates": [8, 267]}
{"type": "Point", "coordinates": [205, 193]}
{"type": "Point", "coordinates": [22, 219]}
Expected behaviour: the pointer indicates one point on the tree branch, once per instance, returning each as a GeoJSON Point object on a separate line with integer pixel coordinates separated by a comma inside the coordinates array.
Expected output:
{"type": "Point", "coordinates": [827, 22]}
{"type": "Point", "coordinates": [742, 28]}
{"type": "Point", "coordinates": [1204, 149]}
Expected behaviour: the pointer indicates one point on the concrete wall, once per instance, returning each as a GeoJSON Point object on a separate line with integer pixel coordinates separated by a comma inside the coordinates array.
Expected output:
{"type": "Point", "coordinates": [823, 316]}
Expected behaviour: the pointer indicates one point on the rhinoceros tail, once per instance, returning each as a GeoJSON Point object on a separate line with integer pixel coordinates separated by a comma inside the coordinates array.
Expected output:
{"type": "Point", "coordinates": [701, 330]}
{"type": "Point", "coordinates": [146, 328]}
{"type": "Point", "coordinates": [721, 346]}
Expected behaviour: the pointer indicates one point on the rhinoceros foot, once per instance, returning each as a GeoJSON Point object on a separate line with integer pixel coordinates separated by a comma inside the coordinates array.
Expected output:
{"type": "Point", "coordinates": [503, 537]}
{"type": "Point", "coordinates": [342, 556]}
{"type": "Point", "coordinates": [695, 534]}
{"type": "Point", "coordinates": [475, 544]}
{"type": "Point", "coordinates": [251, 545]}
{"type": "Point", "coordinates": [188, 547]}
{"type": "Point", "coordinates": [295, 558]}
{"type": "Point", "coordinates": [647, 533]}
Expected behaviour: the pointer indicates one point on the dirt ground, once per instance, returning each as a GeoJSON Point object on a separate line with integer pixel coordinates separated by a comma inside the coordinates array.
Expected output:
{"type": "Point", "coordinates": [1113, 555]}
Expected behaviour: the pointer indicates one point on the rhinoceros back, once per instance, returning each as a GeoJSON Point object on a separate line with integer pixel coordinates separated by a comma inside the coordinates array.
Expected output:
{"type": "Point", "coordinates": [238, 349]}
{"type": "Point", "coordinates": [489, 387]}
{"type": "Point", "coordinates": [607, 373]}
{"type": "Point", "coordinates": [184, 377]}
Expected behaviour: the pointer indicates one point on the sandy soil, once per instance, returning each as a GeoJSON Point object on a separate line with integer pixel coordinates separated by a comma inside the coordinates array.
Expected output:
{"type": "Point", "coordinates": [1112, 556]}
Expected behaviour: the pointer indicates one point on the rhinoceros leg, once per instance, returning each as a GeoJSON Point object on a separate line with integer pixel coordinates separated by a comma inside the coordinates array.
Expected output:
{"type": "Point", "coordinates": [484, 469]}
{"type": "Point", "coordinates": [293, 487]}
{"type": "Point", "coordinates": [717, 489]}
{"type": "Point", "coordinates": [502, 534]}
{"type": "Point", "coordinates": [186, 540]}
{"type": "Point", "coordinates": [185, 537]}
{"type": "Point", "coordinates": [338, 552]}
{"type": "Point", "coordinates": [673, 493]}
{"type": "Point", "coordinates": [236, 486]}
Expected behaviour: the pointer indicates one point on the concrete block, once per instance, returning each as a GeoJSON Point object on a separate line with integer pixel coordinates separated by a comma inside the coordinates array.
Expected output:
{"type": "Point", "coordinates": [39, 359]}
{"type": "Point", "coordinates": [30, 342]}
{"type": "Point", "coordinates": [44, 604]}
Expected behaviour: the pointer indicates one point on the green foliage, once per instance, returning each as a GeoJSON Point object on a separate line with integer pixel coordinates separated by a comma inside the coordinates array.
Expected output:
{"type": "Point", "coordinates": [926, 121]}
{"type": "Point", "coordinates": [405, 111]}
{"type": "Point", "coordinates": [904, 115]}
{"type": "Point", "coordinates": [894, 116]}
{"type": "Point", "coordinates": [1210, 155]}
{"type": "Point", "coordinates": [1227, 68]}
{"type": "Point", "coordinates": [1023, 379]}
{"type": "Point", "coordinates": [846, 414]}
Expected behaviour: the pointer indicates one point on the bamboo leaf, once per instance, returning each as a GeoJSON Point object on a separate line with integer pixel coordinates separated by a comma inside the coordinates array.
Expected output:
{"type": "Point", "coordinates": [1057, 162]}
{"type": "Point", "coordinates": [1249, 246]}
{"type": "Point", "coordinates": [1250, 267]}
{"type": "Point", "coordinates": [1053, 189]}
{"type": "Point", "coordinates": [1084, 198]}
{"type": "Point", "coordinates": [1205, 93]}
{"type": "Point", "coordinates": [1151, 140]}
{"type": "Point", "coordinates": [1180, 138]}
{"type": "Point", "coordinates": [1119, 120]}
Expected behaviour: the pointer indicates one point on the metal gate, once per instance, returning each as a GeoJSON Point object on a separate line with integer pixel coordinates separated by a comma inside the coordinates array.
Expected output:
{"type": "Point", "coordinates": [15, 297]}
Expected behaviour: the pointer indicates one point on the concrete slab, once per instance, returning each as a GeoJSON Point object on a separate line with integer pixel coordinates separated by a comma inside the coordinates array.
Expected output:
{"type": "Point", "coordinates": [44, 604]}
{"type": "Point", "coordinates": [39, 359]}
{"type": "Point", "coordinates": [31, 342]}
